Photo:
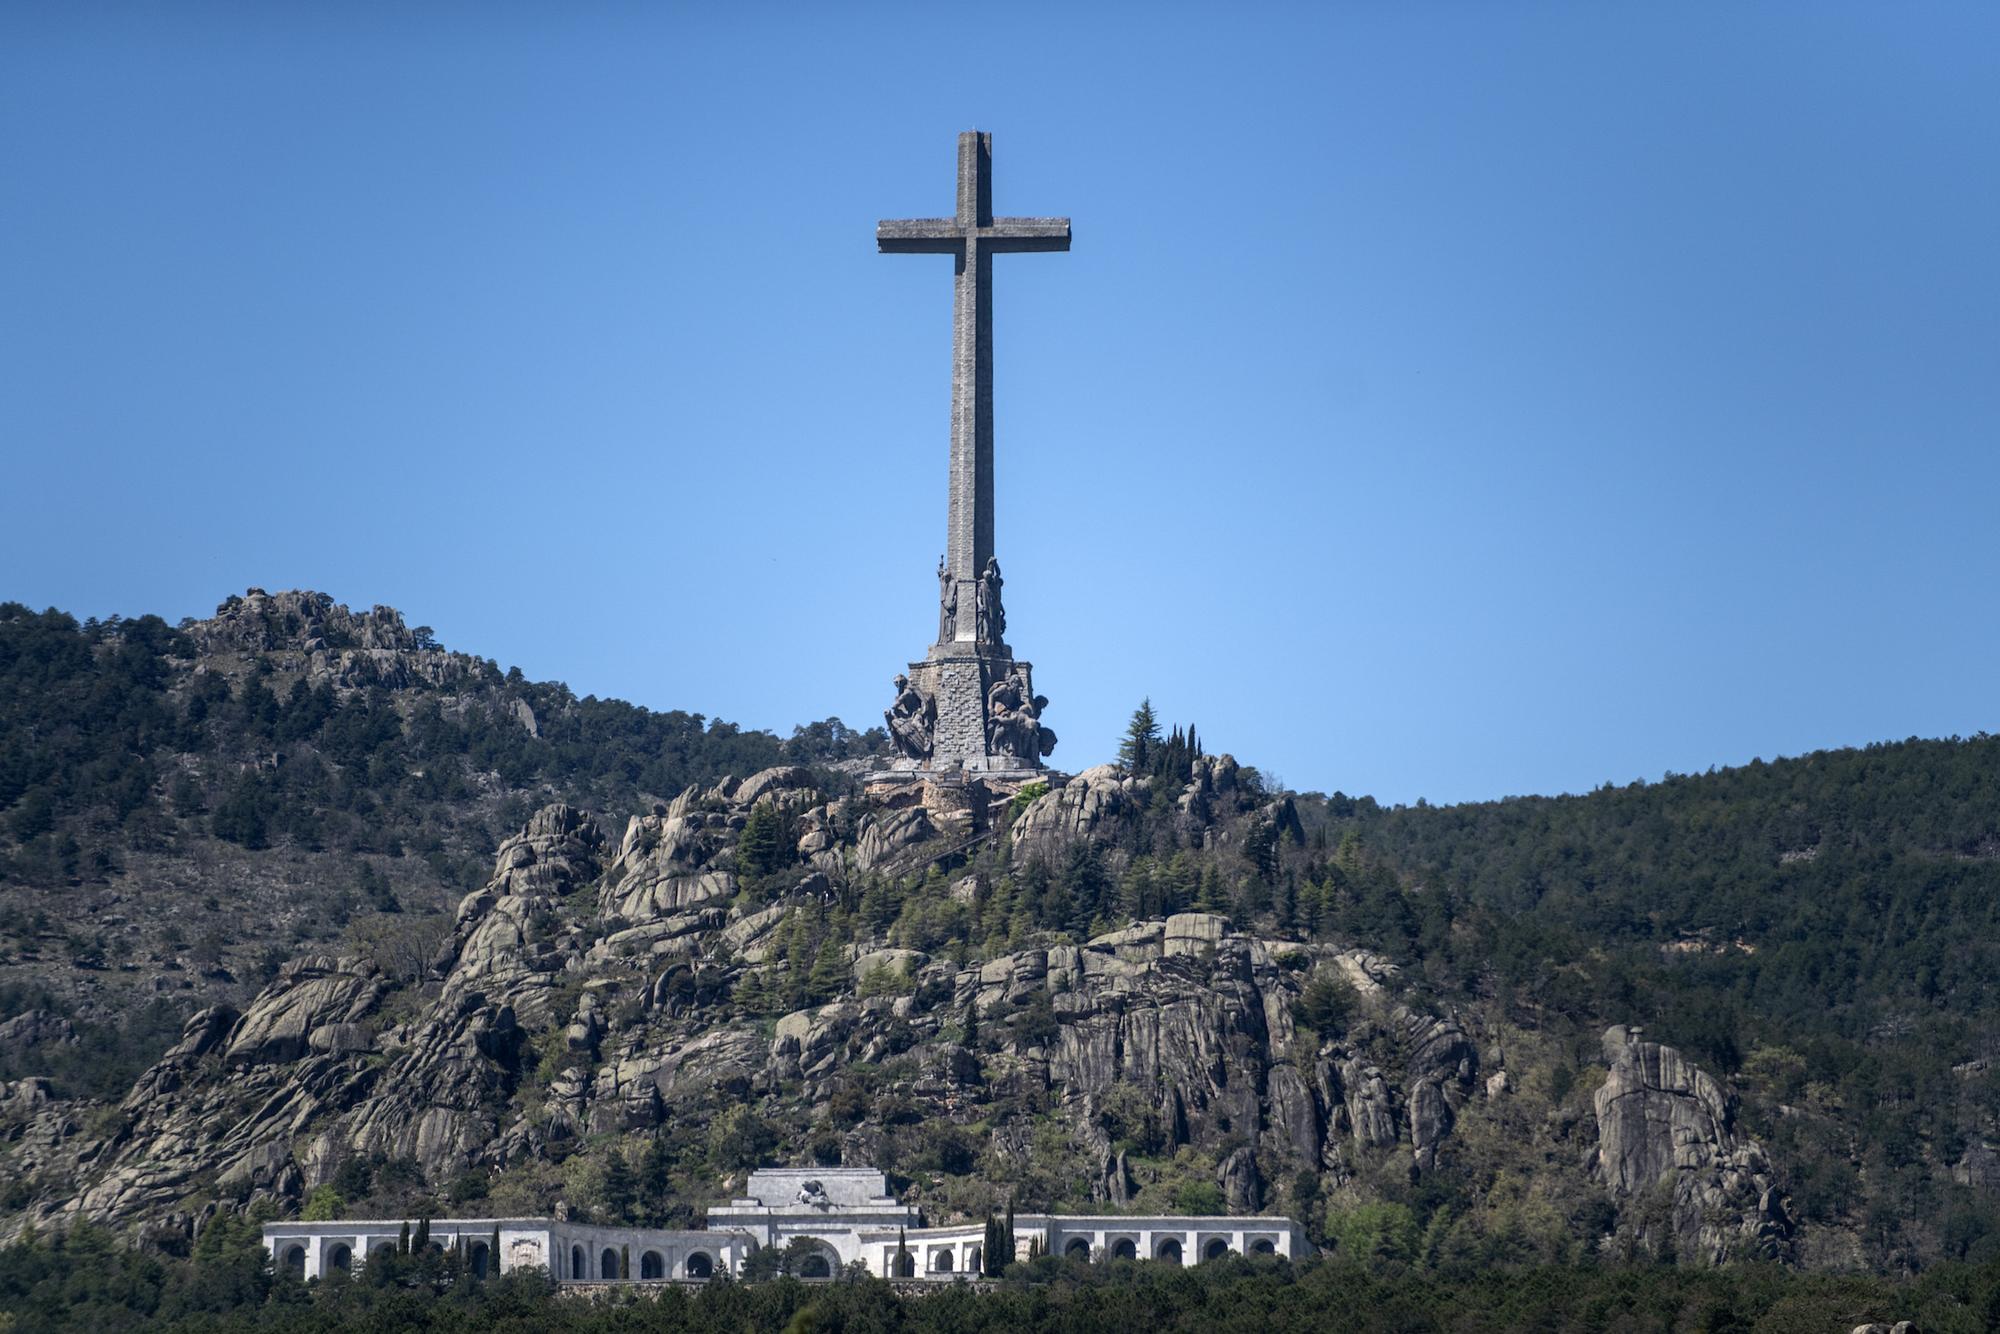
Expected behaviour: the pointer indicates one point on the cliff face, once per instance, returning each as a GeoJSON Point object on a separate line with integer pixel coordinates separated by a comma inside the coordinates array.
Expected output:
{"type": "Point", "coordinates": [595, 988]}
{"type": "Point", "coordinates": [1665, 1126]}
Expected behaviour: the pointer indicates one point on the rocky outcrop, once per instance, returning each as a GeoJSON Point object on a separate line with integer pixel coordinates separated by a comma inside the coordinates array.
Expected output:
{"type": "Point", "coordinates": [1079, 808]}
{"type": "Point", "coordinates": [1242, 1186]}
{"type": "Point", "coordinates": [310, 633]}
{"type": "Point", "coordinates": [36, 1028]}
{"type": "Point", "coordinates": [885, 837]}
{"type": "Point", "coordinates": [296, 1082]}
{"type": "Point", "coordinates": [309, 995]}
{"type": "Point", "coordinates": [1664, 1124]}
{"type": "Point", "coordinates": [1441, 1070]}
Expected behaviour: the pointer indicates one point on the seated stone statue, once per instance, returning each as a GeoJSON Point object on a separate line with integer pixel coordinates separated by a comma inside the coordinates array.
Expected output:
{"type": "Point", "coordinates": [912, 720]}
{"type": "Point", "coordinates": [1012, 724]}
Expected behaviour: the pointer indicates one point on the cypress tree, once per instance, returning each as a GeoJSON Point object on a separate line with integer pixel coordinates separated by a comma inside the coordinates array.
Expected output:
{"type": "Point", "coordinates": [618, 1187]}
{"type": "Point", "coordinates": [493, 1254]}
{"type": "Point", "coordinates": [403, 1242]}
{"type": "Point", "coordinates": [993, 1255]}
{"type": "Point", "coordinates": [655, 1181]}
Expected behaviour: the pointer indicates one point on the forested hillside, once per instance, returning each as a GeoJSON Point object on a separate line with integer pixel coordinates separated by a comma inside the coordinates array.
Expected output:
{"type": "Point", "coordinates": [1825, 930]}
{"type": "Point", "coordinates": [184, 808]}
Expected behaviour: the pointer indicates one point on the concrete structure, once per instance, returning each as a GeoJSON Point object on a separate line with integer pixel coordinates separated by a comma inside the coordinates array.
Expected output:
{"type": "Point", "coordinates": [970, 706]}
{"type": "Point", "coordinates": [846, 1214]}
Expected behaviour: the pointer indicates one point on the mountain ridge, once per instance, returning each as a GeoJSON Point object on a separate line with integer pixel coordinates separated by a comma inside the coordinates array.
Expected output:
{"type": "Point", "coordinates": [1806, 937]}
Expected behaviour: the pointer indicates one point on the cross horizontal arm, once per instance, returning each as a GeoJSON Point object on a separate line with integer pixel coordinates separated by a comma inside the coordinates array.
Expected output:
{"type": "Point", "coordinates": [1015, 234]}
{"type": "Point", "coordinates": [916, 236]}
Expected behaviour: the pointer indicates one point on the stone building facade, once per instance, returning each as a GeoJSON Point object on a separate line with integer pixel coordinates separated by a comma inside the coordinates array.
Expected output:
{"type": "Point", "coordinates": [571, 1252]}
{"type": "Point", "coordinates": [846, 1214]}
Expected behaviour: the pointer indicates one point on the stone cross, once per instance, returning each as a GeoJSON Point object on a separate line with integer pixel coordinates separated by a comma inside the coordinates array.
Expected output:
{"type": "Point", "coordinates": [972, 238]}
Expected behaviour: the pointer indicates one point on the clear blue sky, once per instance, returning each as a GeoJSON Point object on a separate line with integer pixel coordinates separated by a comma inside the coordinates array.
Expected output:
{"type": "Point", "coordinates": [1442, 400]}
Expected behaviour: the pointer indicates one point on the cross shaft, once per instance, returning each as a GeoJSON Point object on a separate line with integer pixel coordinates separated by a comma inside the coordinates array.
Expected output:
{"type": "Point", "coordinates": [972, 237]}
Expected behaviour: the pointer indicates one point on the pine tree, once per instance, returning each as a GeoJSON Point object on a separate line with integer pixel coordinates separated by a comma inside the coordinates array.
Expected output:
{"type": "Point", "coordinates": [1142, 737]}
{"type": "Point", "coordinates": [829, 971]}
{"type": "Point", "coordinates": [1212, 897]}
{"type": "Point", "coordinates": [757, 846]}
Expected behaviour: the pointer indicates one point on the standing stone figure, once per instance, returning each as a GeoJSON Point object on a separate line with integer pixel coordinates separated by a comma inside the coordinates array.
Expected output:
{"type": "Point", "coordinates": [992, 618]}
{"type": "Point", "coordinates": [912, 720]}
{"type": "Point", "coordinates": [947, 604]}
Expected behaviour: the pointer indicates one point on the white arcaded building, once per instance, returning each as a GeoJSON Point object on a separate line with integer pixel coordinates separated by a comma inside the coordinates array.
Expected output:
{"type": "Point", "coordinates": [571, 1252]}
{"type": "Point", "coordinates": [845, 1213]}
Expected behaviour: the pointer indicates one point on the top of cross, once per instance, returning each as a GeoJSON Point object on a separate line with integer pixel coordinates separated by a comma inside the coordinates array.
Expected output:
{"type": "Point", "coordinates": [975, 220]}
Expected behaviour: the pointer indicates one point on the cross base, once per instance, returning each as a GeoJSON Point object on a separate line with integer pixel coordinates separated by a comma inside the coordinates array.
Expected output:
{"type": "Point", "coordinates": [969, 709]}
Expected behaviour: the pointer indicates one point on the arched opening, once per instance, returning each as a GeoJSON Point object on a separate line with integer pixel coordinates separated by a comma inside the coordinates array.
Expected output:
{"type": "Point", "coordinates": [1168, 1251]}
{"type": "Point", "coordinates": [1124, 1249]}
{"type": "Point", "coordinates": [973, 1259]}
{"type": "Point", "coordinates": [578, 1266]}
{"type": "Point", "coordinates": [1078, 1249]}
{"type": "Point", "coordinates": [904, 1265]}
{"type": "Point", "coordinates": [381, 1250]}
{"type": "Point", "coordinates": [1263, 1246]}
{"type": "Point", "coordinates": [294, 1259]}
{"type": "Point", "coordinates": [652, 1265]}
{"type": "Point", "coordinates": [815, 1266]}
{"type": "Point", "coordinates": [480, 1258]}
{"type": "Point", "coordinates": [700, 1266]}
{"type": "Point", "coordinates": [1215, 1250]}
{"type": "Point", "coordinates": [940, 1262]}
{"type": "Point", "coordinates": [340, 1256]}
{"type": "Point", "coordinates": [607, 1264]}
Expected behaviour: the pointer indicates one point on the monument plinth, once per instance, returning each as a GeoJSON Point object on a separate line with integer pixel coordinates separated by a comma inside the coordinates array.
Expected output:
{"type": "Point", "coordinates": [970, 708]}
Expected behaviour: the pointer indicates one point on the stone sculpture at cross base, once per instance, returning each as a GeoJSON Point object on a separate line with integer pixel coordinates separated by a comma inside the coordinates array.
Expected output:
{"type": "Point", "coordinates": [970, 706]}
{"type": "Point", "coordinates": [969, 711]}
